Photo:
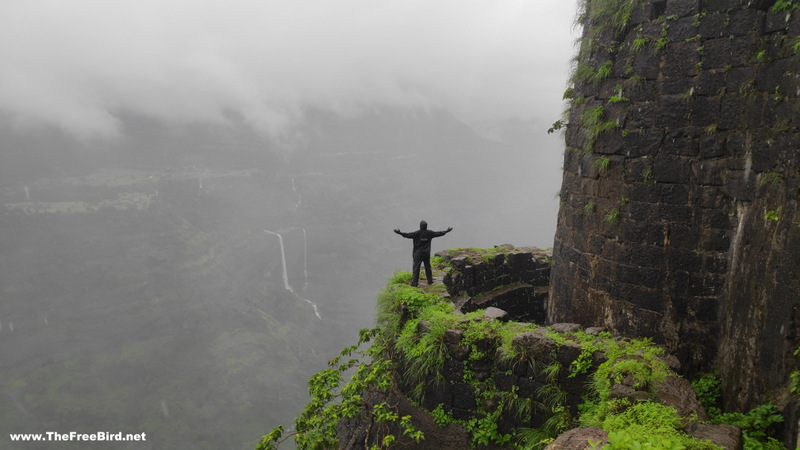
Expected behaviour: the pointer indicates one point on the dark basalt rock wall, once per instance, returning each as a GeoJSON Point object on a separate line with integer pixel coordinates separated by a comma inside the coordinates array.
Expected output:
{"type": "Point", "coordinates": [679, 213]}
{"type": "Point", "coordinates": [515, 280]}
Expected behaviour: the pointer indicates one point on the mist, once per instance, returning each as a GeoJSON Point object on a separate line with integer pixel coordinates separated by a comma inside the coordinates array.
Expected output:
{"type": "Point", "coordinates": [197, 198]}
{"type": "Point", "coordinates": [76, 65]}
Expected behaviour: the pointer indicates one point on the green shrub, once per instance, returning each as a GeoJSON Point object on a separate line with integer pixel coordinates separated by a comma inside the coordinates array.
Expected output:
{"type": "Point", "coordinates": [758, 426]}
{"type": "Point", "coordinates": [333, 400]}
{"type": "Point", "coordinates": [401, 277]}
{"type": "Point", "coordinates": [442, 417]}
{"type": "Point", "coordinates": [621, 440]}
{"type": "Point", "coordinates": [650, 425]}
{"type": "Point", "coordinates": [707, 387]}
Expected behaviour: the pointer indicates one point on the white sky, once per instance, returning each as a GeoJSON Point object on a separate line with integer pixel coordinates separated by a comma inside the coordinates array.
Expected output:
{"type": "Point", "coordinates": [75, 64]}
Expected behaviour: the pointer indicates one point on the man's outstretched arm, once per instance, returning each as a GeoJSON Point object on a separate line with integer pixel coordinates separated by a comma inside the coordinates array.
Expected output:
{"type": "Point", "coordinates": [442, 233]}
{"type": "Point", "coordinates": [405, 235]}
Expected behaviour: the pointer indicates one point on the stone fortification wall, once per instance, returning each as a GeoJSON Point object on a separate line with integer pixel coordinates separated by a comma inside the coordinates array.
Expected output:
{"type": "Point", "coordinates": [515, 280]}
{"type": "Point", "coordinates": [482, 375]}
{"type": "Point", "coordinates": [679, 215]}
{"type": "Point", "coordinates": [458, 396]}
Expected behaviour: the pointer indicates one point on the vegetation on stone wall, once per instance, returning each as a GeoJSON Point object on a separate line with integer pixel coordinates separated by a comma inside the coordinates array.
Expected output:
{"type": "Point", "coordinates": [409, 351]}
{"type": "Point", "coordinates": [332, 401]}
{"type": "Point", "coordinates": [704, 98]}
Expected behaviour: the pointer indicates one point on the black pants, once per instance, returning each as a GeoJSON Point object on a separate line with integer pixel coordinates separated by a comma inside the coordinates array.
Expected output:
{"type": "Point", "coordinates": [419, 258]}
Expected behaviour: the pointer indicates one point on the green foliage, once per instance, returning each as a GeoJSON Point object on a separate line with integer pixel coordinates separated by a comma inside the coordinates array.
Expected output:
{"type": "Point", "coordinates": [648, 414]}
{"type": "Point", "coordinates": [506, 333]}
{"type": "Point", "coordinates": [551, 371]}
{"type": "Point", "coordinates": [583, 72]}
{"type": "Point", "coordinates": [485, 430]}
{"type": "Point", "coordinates": [786, 6]}
{"type": "Point", "coordinates": [419, 343]}
{"type": "Point", "coordinates": [770, 178]}
{"type": "Point", "coordinates": [649, 425]}
{"type": "Point", "coordinates": [638, 360]}
{"type": "Point", "coordinates": [661, 43]}
{"type": "Point", "coordinates": [708, 389]}
{"type": "Point", "coordinates": [623, 368]}
{"type": "Point", "coordinates": [401, 277]}
{"type": "Point", "coordinates": [638, 44]}
{"type": "Point", "coordinates": [612, 218]}
{"type": "Point", "coordinates": [603, 72]}
{"type": "Point", "coordinates": [593, 412]}
{"type": "Point", "coordinates": [398, 295]}
{"type": "Point", "coordinates": [584, 361]}
{"type": "Point", "coordinates": [560, 420]}
{"type": "Point", "coordinates": [595, 125]}
{"type": "Point", "coordinates": [593, 116]}
{"type": "Point", "coordinates": [621, 440]}
{"type": "Point", "coordinates": [607, 15]}
{"type": "Point", "coordinates": [557, 125]}
{"type": "Point", "coordinates": [442, 417]}
{"type": "Point", "coordinates": [618, 98]}
{"type": "Point", "coordinates": [416, 300]}
{"type": "Point", "coordinates": [758, 426]}
{"type": "Point", "coordinates": [519, 407]}
{"type": "Point", "coordinates": [425, 353]}
{"type": "Point", "coordinates": [588, 208]}
{"type": "Point", "coordinates": [601, 164]}
{"type": "Point", "coordinates": [794, 43]}
{"type": "Point", "coordinates": [534, 438]}
{"type": "Point", "coordinates": [332, 401]}
{"type": "Point", "coordinates": [688, 96]}
{"type": "Point", "coordinates": [773, 215]}
{"type": "Point", "coordinates": [647, 175]}
{"type": "Point", "coordinates": [587, 73]}
{"type": "Point", "coordinates": [795, 375]}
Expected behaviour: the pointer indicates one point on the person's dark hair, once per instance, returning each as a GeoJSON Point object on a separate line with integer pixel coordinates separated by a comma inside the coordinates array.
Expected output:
{"type": "Point", "coordinates": [423, 225]}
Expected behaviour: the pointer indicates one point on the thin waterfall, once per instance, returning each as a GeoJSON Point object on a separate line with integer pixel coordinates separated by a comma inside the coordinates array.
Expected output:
{"type": "Point", "coordinates": [286, 284]}
{"type": "Point", "coordinates": [283, 259]}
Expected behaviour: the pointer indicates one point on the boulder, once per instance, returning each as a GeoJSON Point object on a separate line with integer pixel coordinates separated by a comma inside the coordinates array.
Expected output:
{"type": "Point", "coordinates": [578, 439]}
{"type": "Point", "coordinates": [594, 331]}
{"type": "Point", "coordinates": [624, 391]}
{"type": "Point", "coordinates": [491, 313]}
{"type": "Point", "coordinates": [679, 393]}
{"type": "Point", "coordinates": [565, 327]}
{"type": "Point", "coordinates": [727, 436]}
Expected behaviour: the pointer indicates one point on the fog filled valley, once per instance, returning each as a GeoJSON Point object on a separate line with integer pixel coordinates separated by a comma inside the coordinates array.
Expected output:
{"type": "Point", "coordinates": [140, 292]}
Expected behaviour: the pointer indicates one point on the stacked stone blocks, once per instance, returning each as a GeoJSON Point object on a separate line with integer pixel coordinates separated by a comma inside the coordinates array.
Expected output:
{"type": "Point", "coordinates": [645, 241]}
{"type": "Point", "coordinates": [515, 280]}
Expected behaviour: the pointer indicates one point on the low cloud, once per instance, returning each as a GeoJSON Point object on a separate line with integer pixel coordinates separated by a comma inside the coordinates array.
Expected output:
{"type": "Point", "coordinates": [76, 65]}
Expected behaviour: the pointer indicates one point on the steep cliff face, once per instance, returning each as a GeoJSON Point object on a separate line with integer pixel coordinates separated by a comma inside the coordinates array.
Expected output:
{"type": "Point", "coordinates": [469, 374]}
{"type": "Point", "coordinates": [679, 203]}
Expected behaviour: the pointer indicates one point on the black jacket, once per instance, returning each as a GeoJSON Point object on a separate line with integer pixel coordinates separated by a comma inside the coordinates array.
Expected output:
{"type": "Point", "coordinates": [422, 239]}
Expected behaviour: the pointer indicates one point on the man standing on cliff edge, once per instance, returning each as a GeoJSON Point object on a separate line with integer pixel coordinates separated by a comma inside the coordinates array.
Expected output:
{"type": "Point", "coordinates": [422, 249]}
